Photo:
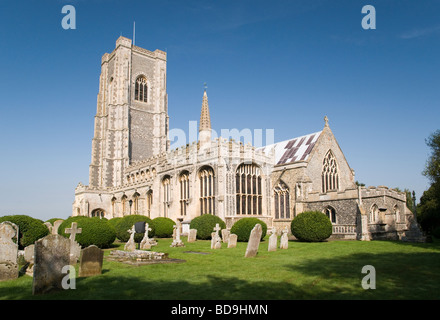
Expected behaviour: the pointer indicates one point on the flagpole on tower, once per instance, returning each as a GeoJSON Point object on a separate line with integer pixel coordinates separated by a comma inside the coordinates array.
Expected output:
{"type": "Point", "coordinates": [134, 32]}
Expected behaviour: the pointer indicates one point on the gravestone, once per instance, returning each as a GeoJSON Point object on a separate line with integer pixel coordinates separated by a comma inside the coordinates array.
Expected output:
{"type": "Point", "coordinates": [145, 243]}
{"type": "Point", "coordinates": [225, 235]}
{"type": "Point", "coordinates": [51, 254]}
{"type": "Point", "coordinates": [130, 245]}
{"type": "Point", "coordinates": [90, 261]}
{"type": "Point", "coordinates": [254, 241]}
{"type": "Point", "coordinates": [273, 240]}
{"type": "Point", "coordinates": [8, 251]}
{"type": "Point", "coordinates": [192, 235]}
{"type": "Point", "coordinates": [56, 225]}
{"type": "Point", "coordinates": [75, 248]}
{"type": "Point", "coordinates": [232, 241]}
{"type": "Point", "coordinates": [284, 242]}
{"type": "Point", "coordinates": [29, 258]}
{"type": "Point", "coordinates": [49, 226]}
{"type": "Point", "coordinates": [216, 241]}
{"type": "Point", "coordinates": [177, 242]}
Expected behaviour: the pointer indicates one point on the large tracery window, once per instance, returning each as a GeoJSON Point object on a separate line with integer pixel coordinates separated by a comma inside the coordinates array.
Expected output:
{"type": "Point", "coordinates": [330, 176]}
{"type": "Point", "coordinates": [141, 89]}
{"type": "Point", "coordinates": [207, 191]}
{"type": "Point", "coordinates": [184, 192]}
{"type": "Point", "coordinates": [248, 190]}
{"type": "Point", "coordinates": [166, 195]}
{"type": "Point", "coordinates": [282, 201]}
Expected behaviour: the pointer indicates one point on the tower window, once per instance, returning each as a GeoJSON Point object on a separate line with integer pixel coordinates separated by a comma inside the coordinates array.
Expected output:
{"type": "Point", "coordinates": [141, 89]}
{"type": "Point", "coordinates": [330, 177]}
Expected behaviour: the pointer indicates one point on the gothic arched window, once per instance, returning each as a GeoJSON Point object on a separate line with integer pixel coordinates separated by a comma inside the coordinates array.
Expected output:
{"type": "Point", "coordinates": [248, 189]}
{"type": "Point", "coordinates": [330, 176]}
{"type": "Point", "coordinates": [282, 201]}
{"type": "Point", "coordinates": [207, 191]}
{"type": "Point", "coordinates": [141, 89]}
{"type": "Point", "coordinates": [166, 194]}
{"type": "Point", "coordinates": [149, 200]}
{"type": "Point", "coordinates": [184, 192]}
{"type": "Point", "coordinates": [136, 203]}
{"type": "Point", "coordinates": [374, 213]}
{"type": "Point", "coordinates": [330, 212]}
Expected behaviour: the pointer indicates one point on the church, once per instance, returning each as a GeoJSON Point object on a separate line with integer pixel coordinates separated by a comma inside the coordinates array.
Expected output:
{"type": "Point", "coordinates": [133, 170]}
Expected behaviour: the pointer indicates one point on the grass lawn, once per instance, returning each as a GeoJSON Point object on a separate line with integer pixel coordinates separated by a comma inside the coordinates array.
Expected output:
{"type": "Point", "coordinates": [327, 270]}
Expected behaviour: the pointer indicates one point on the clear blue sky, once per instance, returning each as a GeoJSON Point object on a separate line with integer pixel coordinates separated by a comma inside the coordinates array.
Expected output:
{"type": "Point", "coordinates": [278, 65]}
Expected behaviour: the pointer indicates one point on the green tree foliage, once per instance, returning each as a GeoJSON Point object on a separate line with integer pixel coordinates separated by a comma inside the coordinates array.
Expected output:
{"type": "Point", "coordinates": [432, 168]}
{"type": "Point", "coordinates": [311, 226]}
{"type": "Point", "coordinates": [29, 229]}
{"type": "Point", "coordinates": [243, 227]}
{"type": "Point", "coordinates": [205, 225]}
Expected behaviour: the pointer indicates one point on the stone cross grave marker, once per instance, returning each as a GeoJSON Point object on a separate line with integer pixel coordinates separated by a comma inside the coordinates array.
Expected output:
{"type": "Point", "coordinates": [75, 249]}
{"type": "Point", "coordinates": [273, 239]}
{"type": "Point", "coordinates": [177, 242]}
{"type": "Point", "coordinates": [192, 235]}
{"type": "Point", "coordinates": [145, 243]}
{"type": "Point", "coordinates": [284, 242]}
{"type": "Point", "coordinates": [91, 261]}
{"type": "Point", "coordinates": [51, 255]}
{"type": "Point", "coordinates": [8, 251]}
{"type": "Point", "coordinates": [216, 242]}
{"type": "Point", "coordinates": [130, 245]}
{"type": "Point", "coordinates": [254, 241]}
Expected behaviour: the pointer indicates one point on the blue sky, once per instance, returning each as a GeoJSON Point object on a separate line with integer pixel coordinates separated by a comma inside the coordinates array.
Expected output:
{"type": "Point", "coordinates": [279, 65]}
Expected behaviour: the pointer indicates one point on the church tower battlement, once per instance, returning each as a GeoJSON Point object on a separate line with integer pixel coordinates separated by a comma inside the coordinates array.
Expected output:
{"type": "Point", "coordinates": [131, 122]}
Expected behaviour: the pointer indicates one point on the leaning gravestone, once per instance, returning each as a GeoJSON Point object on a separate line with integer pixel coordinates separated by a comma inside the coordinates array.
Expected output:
{"type": "Point", "coordinates": [254, 241]}
{"type": "Point", "coordinates": [29, 258]}
{"type": "Point", "coordinates": [232, 240]}
{"type": "Point", "coordinates": [51, 255]}
{"type": "Point", "coordinates": [225, 235]}
{"type": "Point", "coordinates": [284, 242]}
{"type": "Point", "coordinates": [130, 245]}
{"type": "Point", "coordinates": [273, 239]}
{"type": "Point", "coordinates": [192, 235]}
{"type": "Point", "coordinates": [56, 225]}
{"type": "Point", "coordinates": [90, 261]}
{"type": "Point", "coordinates": [8, 251]}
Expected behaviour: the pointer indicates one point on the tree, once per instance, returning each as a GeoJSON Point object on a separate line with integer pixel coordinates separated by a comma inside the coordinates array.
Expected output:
{"type": "Point", "coordinates": [432, 168]}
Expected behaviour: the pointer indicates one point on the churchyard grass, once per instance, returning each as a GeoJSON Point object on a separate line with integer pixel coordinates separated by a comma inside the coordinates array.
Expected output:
{"type": "Point", "coordinates": [326, 270]}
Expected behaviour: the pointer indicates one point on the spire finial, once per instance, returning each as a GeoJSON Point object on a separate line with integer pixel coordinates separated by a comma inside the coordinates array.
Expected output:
{"type": "Point", "coordinates": [205, 86]}
{"type": "Point", "coordinates": [326, 121]}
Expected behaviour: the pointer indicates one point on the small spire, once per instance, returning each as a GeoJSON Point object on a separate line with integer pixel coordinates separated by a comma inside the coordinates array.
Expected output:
{"type": "Point", "coordinates": [205, 118]}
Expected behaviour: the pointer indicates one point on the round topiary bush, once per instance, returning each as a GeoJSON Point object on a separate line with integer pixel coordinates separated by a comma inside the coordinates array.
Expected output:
{"type": "Point", "coordinates": [243, 227]}
{"type": "Point", "coordinates": [114, 221]}
{"type": "Point", "coordinates": [311, 226]}
{"type": "Point", "coordinates": [127, 222]}
{"type": "Point", "coordinates": [29, 229]}
{"type": "Point", "coordinates": [95, 231]}
{"type": "Point", "coordinates": [205, 225]}
{"type": "Point", "coordinates": [163, 227]}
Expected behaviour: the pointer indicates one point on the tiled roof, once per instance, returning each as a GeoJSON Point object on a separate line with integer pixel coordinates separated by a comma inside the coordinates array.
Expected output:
{"type": "Point", "coordinates": [293, 150]}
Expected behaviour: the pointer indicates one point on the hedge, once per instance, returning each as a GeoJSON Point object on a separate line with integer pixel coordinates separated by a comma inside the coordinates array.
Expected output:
{"type": "Point", "coordinates": [163, 227]}
{"type": "Point", "coordinates": [123, 225]}
{"type": "Point", "coordinates": [29, 229]}
{"type": "Point", "coordinates": [311, 226]}
{"type": "Point", "coordinates": [243, 227]}
{"type": "Point", "coordinates": [95, 231]}
{"type": "Point", "coordinates": [205, 225]}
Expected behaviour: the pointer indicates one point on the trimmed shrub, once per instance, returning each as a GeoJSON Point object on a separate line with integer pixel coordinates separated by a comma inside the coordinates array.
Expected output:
{"type": "Point", "coordinates": [311, 226]}
{"type": "Point", "coordinates": [126, 223]}
{"type": "Point", "coordinates": [29, 229]}
{"type": "Point", "coordinates": [114, 221]}
{"type": "Point", "coordinates": [95, 231]}
{"type": "Point", "coordinates": [205, 225]}
{"type": "Point", "coordinates": [163, 227]}
{"type": "Point", "coordinates": [243, 227]}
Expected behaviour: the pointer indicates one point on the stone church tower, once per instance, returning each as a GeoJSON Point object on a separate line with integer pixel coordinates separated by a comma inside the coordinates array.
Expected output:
{"type": "Point", "coordinates": [131, 122]}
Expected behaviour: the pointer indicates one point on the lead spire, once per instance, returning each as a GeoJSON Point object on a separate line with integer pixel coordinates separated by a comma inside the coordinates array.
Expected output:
{"type": "Point", "coordinates": [205, 118]}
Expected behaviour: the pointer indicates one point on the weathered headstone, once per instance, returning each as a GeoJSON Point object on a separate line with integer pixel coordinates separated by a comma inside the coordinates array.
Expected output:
{"type": "Point", "coordinates": [192, 235]}
{"type": "Point", "coordinates": [56, 225]}
{"type": "Point", "coordinates": [225, 235]}
{"type": "Point", "coordinates": [232, 241]}
{"type": "Point", "coordinates": [284, 242]}
{"type": "Point", "coordinates": [49, 226]}
{"type": "Point", "coordinates": [216, 241]}
{"type": "Point", "coordinates": [254, 241]}
{"type": "Point", "coordinates": [90, 261]}
{"type": "Point", "coordinates": [177, 242]}
{"type": "Point", "coordinates": [273, 240]}
{"type": "Point", "coordinates": [29, 258]}
{"type": "Point", "coordinates": [8, 251]}
{"type": "Point", "coordinates": [75, 248]}
{"type": "Point", "coordinates": [130, 245]}
{"type": "Point", "coordinates": [51, 255]}
{"type": "Point", "coordinates": [145, 243]}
